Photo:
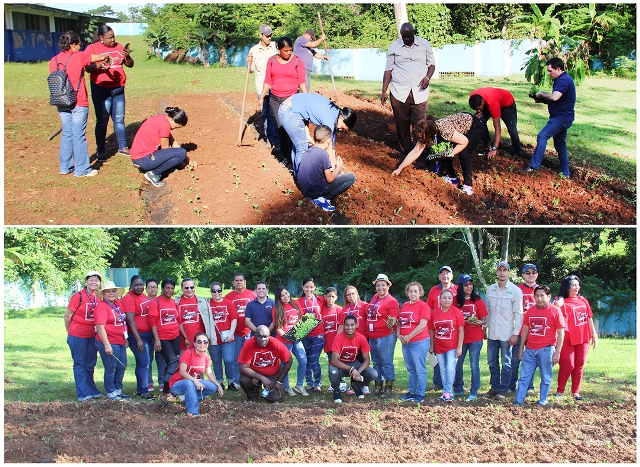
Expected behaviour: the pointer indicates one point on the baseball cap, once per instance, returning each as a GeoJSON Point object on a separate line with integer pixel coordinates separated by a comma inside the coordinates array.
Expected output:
{"type": "Point", "coordinates": [503, 263]}
{"type": "Point", "coordinates": [311, 32]}
{"type": "Point", "coordinates": [448, 268]}
{"type": "Point", "coordinates": [93, 273]}
{"type": "Point", "coordinates": [265, 29]}
{"type": "Point", "coordinates": [529, 266]}
{"type": "Point", "coordinates": [464, 278]}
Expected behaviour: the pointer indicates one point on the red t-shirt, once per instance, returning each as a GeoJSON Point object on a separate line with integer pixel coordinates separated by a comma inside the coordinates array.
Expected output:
{"type": "Point", "coordinates": [409, 319]}
{"type": "Point", "coordinates": [496, 99]}
{"type": "Point", "coordinates": [240, 301]}
{"type": "Point", "coordinates": [139, 305]}
{"type": "Point", "coordinates": [114, 76]}
{"type": "Point", "coordinates": [291, 318]}
{"type": "Point", "coordinates": [576, 312]}
{"type": "Point", "coordinates": [163, 314]}
{"type": "Point", "coordinates": [479, 310]}
{"type": "Point", "coordinates": [313, 305]}
{"type": "Point", "coordinates": [114, 320]}
{"type": "Point", "coordinates": [528, 299]}
{"type": "Point", "coordinates": [264, 360]}
{"type": "Point", "coordinates": [82, 322]}
{"type": "Point", "coordinates": [446, 327]}
{"type": "Point", "coordinates": [543, 324]}
{"type": "Point", "coordinates": [347, 349]}
{"type": "Point", "coordinates": [190, 318]}
{"type": "Point", "coordinates": [359, 310]}
{"type": "Point", "coordinates": [147, 139]}
{"type": "Point", "coordinates": [378, 310]}
{"type": "Point", "coordinates": [196, 365]}
{"type": "Point", "coordinates": [285, 79]}
{"type": "Point", "coordinates": [331, 321]}
{"type": "Point", "coordinates": [74, 69]}
{"type": "Point", "coordinates": [433, 298]}
{"type": "Point", "coordinates": [223, 313]}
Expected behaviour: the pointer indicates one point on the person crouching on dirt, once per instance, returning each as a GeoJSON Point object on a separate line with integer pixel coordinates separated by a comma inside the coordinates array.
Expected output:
{"type": "Point", "coordinates": [186, 381]}
{"type": "Point", "coordinates": [320, 176]}
{"type": "Point", "coordinates": [259, 362]}
{"type": "Point", "coordinates": [154, 150]}
{"type": "Point", "coordinates": [297, 111]}
{"type": "Point", "coordinates": [463, 130]}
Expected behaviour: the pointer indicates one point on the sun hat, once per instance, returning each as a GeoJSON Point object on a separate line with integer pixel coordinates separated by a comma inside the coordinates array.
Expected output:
{"type": "Point", "coordinates": [464, 278]}
{"type": "Point", "coordinates": [529, 266]}
{"type": "Point", "coordinates": [93, 273]}
{"type": "Point", "coordinates": [381, 277]}
{"type": "Point", "coordinates": [265, 29]}
{"type": "Point", "coordinates": [503, 263]}
{"type": "Point", "coordinates": [106, 285]}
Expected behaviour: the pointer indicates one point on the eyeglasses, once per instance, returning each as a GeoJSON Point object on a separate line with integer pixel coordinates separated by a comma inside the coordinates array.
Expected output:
{"type": "Point", "coordinates": [199, 341]}
{"type": "Point", "coordinates": [189, 287]}
{"type": "Point", "coordinates": [216, 290]}
{"type": "Point", "coordinates": [531, 273]}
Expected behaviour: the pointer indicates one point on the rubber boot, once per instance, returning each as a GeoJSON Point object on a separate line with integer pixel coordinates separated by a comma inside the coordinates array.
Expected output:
{"type": "Point", "coordinates": [388, 388]}
{"type": "Point", "coordinates": [378, 389]}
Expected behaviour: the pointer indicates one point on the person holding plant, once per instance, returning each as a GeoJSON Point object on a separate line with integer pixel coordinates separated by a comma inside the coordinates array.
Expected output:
{"type": "Point", "coordinates": [446, 328]}
{"type": "Point", "coordinates": [80, 324]}
{"type": "Point", "coordinates": [413, 333]}
{"type": "Point", "coordinates": [474, 312]}
{"type": "Point", "coordinates": [286, 314]}
{"type": "Point", "coordinates": [579, 331]}
{"type": "Point", "coordinates": [110, 340]}
{"type": "Point", "coordinates": [135, 305]}
{"type": "Point", "coordinates": [314, 342]}
{"type": "Point", "coordinates": [187, 382]}
{"type": "Point", "coordinates": [225, 320]}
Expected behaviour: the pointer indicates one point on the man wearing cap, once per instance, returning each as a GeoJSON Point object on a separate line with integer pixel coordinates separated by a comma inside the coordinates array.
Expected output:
{"type": "Point", "coordinates": [303, 48]}
{"type": "Point", "coordinates": [410, 66]}
{"type": "Point", "coordinates": [504, 304]}
{"type": "Point", "coordinates": [530, 276]}
{"type": "Point", "coordinates": [382, 315]}
{"type": "Point", "coordinates": [445, 276]}
{"type": "Point", "coordinates": [257, 59]}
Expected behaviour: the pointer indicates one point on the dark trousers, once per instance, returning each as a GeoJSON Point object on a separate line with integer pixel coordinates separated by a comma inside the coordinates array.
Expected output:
{"type": "Point", "coordinates": [251, 389]}
{"type": "Point", "coordinates": [285, 142]}
{"type": "Point", "coordinates": [509, 115]}
{"type": "Point", "coordinates": [170, 348]}
{"type": "Point", "coordinates": [474, 135]}
{"type": "Point", "coordinates": [339, 185]}
{"type": "Point", "coordinates": [405, 115]}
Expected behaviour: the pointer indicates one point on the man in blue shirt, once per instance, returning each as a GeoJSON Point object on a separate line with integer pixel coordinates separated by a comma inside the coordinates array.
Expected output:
{"type": "Point", "coordinates": [259, 310]}
{"type": "Point", "coordinates": [561, 102]}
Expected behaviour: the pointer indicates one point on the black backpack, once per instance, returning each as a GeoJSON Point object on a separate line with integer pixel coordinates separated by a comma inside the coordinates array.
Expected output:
{"type": "Point", "coordinates": [61, 92]}
{"type": "Point", "coordinates": [173, 366]}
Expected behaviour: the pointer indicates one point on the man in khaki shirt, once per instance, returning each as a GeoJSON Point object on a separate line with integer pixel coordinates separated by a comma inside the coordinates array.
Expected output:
{"type": "Point", "coordinates": [257, 59]}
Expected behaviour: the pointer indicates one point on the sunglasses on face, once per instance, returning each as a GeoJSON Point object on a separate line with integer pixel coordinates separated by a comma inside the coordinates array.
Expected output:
{"type": "Point", "coordinates": [216, 290]}
{"type": "Point", "coordinates": [189, 287]}
{"type": "Point", "coordinates": [530, 273]}
{"type": "Point", "coordinates": [199, 341]}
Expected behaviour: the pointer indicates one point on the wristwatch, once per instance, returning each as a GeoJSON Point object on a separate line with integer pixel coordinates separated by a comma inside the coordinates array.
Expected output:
{"type": "Point", "coordinates": [494, 148]}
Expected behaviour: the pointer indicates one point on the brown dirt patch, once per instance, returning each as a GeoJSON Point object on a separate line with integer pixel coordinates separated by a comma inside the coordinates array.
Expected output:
{"type": "Point", "coordinates": [319, 431]}
{"type": "Point", "coordinates": [234, 185]}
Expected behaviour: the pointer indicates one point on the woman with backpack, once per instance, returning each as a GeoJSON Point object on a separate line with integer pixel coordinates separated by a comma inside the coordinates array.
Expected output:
{"type": "Point", "coordinates": [74, 153]}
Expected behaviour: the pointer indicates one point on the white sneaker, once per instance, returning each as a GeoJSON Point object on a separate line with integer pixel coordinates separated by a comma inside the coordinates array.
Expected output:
{"type": "Point", "coordinates": [343, 387]}
{"type": "Point", "coordinates": [301, 390]}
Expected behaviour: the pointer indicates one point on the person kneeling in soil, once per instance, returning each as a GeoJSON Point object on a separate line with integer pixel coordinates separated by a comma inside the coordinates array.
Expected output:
{"type": "Point", "coordinates": [320, 176]}
{"type": "Point", "coordinates": [154, 150]}
{"type": "Point", "coordinates": [344, 352]}
{"type": "Point", "coordinates": [259, 362]}
{"type": "Point", "coordinates": [185, 382]}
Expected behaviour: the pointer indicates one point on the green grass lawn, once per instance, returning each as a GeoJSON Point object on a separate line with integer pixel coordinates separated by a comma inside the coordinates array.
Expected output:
{"type": "Point", "coordinates": [603, 134]}
{"type": "Point", "coordinates": [40, 369]}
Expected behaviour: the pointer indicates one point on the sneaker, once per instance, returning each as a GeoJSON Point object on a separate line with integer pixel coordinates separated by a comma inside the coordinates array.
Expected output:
{"type": "Point", "coordinates": [301, 390]}
{"type": "Point", "coordinates": [447, 397]}
{"type": "Point", "coordinates": [490, 394]}
{"type": "Point", "coordinates": [453, 181]}
{"type": "Point", "coordinates": [441, 397]}
{"type": "Point", "coordinates": [531, 392]}
{"type": "Point", "coordinates": [70, 171]}
{"type": "Point", "coordinates": [343, 386]}
{"type": "Point", "coordinates": [471, 397]}
{"type": "Point", "coordinates": [337, 397]}
{"type": "Point", "coordinates": [527, 170]}
{"type": "Point", "coordinates": [290, 392]}
{"type": "Point", "coordinates": [578, 397]}
{"type": "Point", "coordinates": [169, 398]}
{"type": "Point", "coordinates": [316, 389]}
{"type": "Point", "coordinates": [357, 390]}
{"type": "Point", "coordinates": [350, 391]}
{"type": "Point", "coordinates": [500, 396]}
{"type": "Point", "coordinates": [154, 179]}
{"type": "Point", "coordinates": [467, 189]}
{"type": "Point", "coordinates": [124, 152]}
{"type": "Point", "coordinates": [122, 397]}
{"type": "Point", "coordinates": [97, 396]}
{"type": "Point", "coordinates": [323, 203]}
{"type": "Point", "coordinates": [459, 394]}
{"type": "Point", "coordinates": [91, 173]}
{"type": "Point", "coordinates": [365, 390]}
{"type": "Point", "coordinates": [542, 404]}
{"type": "Point", "coordinates": [181, 397]}
{"type": "Point", "coordinates": [418, 399]}
{"type": "Point", "coordinates": [150, 388]}
{"type": "Point", "coordinates": [409, 396]}
{"type": "Point", "coordinates": [232, 387]}
{"type": "Point", "coordinates": [558, 394]}
{"type": "Point", "coordinates": [146, 396]}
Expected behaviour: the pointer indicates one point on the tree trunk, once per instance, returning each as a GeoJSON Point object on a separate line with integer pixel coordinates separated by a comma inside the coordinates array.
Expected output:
{"type": "Point", "coordinates": [481, 245]}
{"type": "Point", "coordinates": [222, 51]}
{"type": "Point", "coordinates": [400, 11]}
{"type": "Point", "coordinates": [205, 56]}
{"type": "Point", "coordinates": [504, 250]}
{"type": "Point", "coordinates": [474, 254]}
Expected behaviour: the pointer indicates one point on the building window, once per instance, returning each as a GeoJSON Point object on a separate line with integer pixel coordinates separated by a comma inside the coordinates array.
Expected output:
{"type": "Point", "coordinates": [29, 22]}
{"type": "Point", "coordinates": [65, 24]}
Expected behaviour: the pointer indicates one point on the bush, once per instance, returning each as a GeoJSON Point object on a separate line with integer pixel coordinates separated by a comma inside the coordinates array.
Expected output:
{"type": "Point", "coordinates": [625, 67]}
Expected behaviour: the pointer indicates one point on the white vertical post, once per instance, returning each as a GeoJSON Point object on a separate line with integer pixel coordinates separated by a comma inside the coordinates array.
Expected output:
{"type": "Point", "coordinates": [507, 57]}
{"type": "Point", "coordinates": [477, 55]}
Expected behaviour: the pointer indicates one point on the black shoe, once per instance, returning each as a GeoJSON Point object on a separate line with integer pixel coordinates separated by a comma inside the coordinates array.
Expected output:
{"type": "Point", "coordinates": [527, 170]}
{"type": "Point", "coordinates": [146, 396]}
{"type": "Point", "coordinates": [232, 387]}
{"type": "Point", "coordinates": [154, 179]}
{"type": "Point", "coordinates": [275, 149]}
{"type": "Point", "coordinates": [357, 388]}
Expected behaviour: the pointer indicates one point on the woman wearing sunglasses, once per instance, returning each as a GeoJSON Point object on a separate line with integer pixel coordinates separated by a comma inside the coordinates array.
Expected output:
{"type": "Point", "coordinates": [185, 382]}
{"type": "Point", "coordinates": [191, 309]}
{"type": "Point", "coordinates": [225, 320]}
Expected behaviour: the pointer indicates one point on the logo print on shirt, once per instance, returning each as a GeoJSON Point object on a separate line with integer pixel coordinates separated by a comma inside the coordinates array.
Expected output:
{"type": "Point", "coordinates": [528, 301]}
{"type": "Point", "coordinates": [330, 323]}
{"type": "Point", "coordinates": [538, 326]}
{"type": "Point", "coordinates": [580, 315]}
{"type": "Point", "coordinates": [264, 359]}
{"type": "Point", "coordinates": [144, 308]}
{"type": "Point", "coordinates": [168, 316]}
{"type": "Point", "coordinates": [444, 329]}
{"type": "Point", "coordinates": [406, 319]}
{"type": "Point", "coordinates": [88, 311]}
{"type": "Point", "coordinates": [219, 314]}
{"type": "Point", "coordinates": [189, 314]}
{"type": "Point", "coordinates": [468, 310]}
{"type": "Point", "coordinates": [348, 353]}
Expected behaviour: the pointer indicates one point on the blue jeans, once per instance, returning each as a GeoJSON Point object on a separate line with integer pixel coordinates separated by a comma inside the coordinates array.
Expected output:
{"type": "Point", "coordinates": [415, 358]}
{"type": "Point", "coordinates": [187, 388]}
{"type": "Point", "coordinates": [556, 129]}
{"type": "Point", "coordinates": [515, 366]}
{"type": "Point", "coordinates": [313, 347]}
{"type": "Point", "coordinates": [223, 353]}
{"type": "Point", "coordinates": [532, 359]}
{"type": "Point", "coordinates": [85, 357]}
{"type": "Point", "coordinates": [382, 350]}
{"type": "Point", "coordinates": [437, 378]}
{"type": "Point", "coordinates": [269, 122]}
{"type": "Point", "coordinates": [160, 366]}
{"type": "Point", "coordinates": [161, 161]}
{"type": "Point", "coordinates": [109, 102]}
{"type": "Point", "coordinates": [339, 185]}
{"type": "Point", "coordinates": [336, 375]}
{"type": "Point", "coordinates": [294, 125]}
{"type": "Point", "coordinates": [447, 362]}
{"type": "Point", "coordinates": [474, 349]}
{"type": "Point", "coordinates": [237, 347]}
{"type": "Point", "coordinates": [113, 369]}
{"type": "Point", "coordinates": [142, 361]}
{"type": "Point", "coordinates": [500, 377]}
{"type": "Point", "coordinates": [73, 141]}
{"type": "Point", "coordinates": [297, 350]}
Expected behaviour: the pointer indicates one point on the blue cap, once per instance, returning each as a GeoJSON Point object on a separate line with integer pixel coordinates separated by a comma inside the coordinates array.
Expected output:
{"type": "Point", "coordinates": [464, 278]}
{"type": "Point", "coordinates": [448, 268]}
{"type": "Point", "coordinates": [529, 266]}
{"type": "Point", "coordinates": [503, 263]}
